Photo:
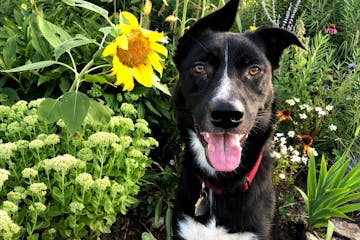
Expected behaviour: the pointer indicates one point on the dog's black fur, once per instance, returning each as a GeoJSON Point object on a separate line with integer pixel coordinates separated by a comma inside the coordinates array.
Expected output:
{"type": "Point", "coordinates": [248, 109]}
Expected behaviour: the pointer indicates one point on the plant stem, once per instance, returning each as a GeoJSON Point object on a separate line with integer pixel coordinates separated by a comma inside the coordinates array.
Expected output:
{"type": "Point", "coordinates": [183, 18]}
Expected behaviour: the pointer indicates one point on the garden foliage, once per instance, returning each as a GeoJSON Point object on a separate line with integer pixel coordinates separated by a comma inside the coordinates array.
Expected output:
{"type": "Point", "coordinates": [53, 51]}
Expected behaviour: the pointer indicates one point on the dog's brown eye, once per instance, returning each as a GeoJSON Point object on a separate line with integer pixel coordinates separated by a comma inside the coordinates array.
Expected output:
{"type": "Point", "coordinates": [253, 71]}
{"type": "Point", "coordinates": [199, 68]}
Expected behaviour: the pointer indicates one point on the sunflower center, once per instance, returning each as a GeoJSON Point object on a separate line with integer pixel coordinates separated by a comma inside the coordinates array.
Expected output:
{"type": "Point", "coordinates": [138, 49]}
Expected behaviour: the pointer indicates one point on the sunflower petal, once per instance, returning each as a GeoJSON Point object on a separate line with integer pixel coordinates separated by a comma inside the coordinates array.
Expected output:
{"type": "Point", "coordinates": [155, 62]}
{"type": "Point", "coordinates": [159, 48]}
{"type": "Point", "coordinates": [124, 76]}
{"type": "Point", "coordinates": [109, 50]}
{"type": "Point", "coordinates": [122, 42]}
{"type": "Point", "coordinates": [154, 36]}
{"type": "Point", "coordinates": [133, 22]}
{"type": "Point", "coordinates": [124, 28]}
{"type": "Point", "coordinates": [143, 74]}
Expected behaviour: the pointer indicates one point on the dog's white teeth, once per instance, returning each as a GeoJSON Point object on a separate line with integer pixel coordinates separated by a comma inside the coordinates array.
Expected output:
{"type": "Point", "coordinates": [205, 135]}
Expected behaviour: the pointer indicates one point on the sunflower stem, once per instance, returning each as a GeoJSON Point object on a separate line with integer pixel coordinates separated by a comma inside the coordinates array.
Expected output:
{"type": "Point", "coordinates": [183, 18]}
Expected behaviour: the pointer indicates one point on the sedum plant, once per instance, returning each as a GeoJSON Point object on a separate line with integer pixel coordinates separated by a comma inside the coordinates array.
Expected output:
{"type": "Point", "coordinates": [55, 185]}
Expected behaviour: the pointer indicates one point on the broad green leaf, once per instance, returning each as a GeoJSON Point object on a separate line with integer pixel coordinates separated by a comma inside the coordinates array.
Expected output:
{"type": "Point", "coordinates": [99, 112]}
{"type": "Point", "coordinates": [9, 51]}
{"type": "Point", "coordinates": [32, 66]}
{"type": "Point", "coordinates": [74, 107]}
{"type": "Point", "coordinates": [54, 34]}
{"type": "Point", "coordinates": [351, 177]}
{"type": "Point", "coordinates": [96, 79]}
{"type": "Point", "coordinates": [346, 199]}
{"type": "Point", "coordinates": [325, 214]}
{"type": "Point", "coordinates": [71, 43]}
{"type": "Point", "coordinates": [37, 42]}
{"type": "Point", "coordinates": [49, 110]}
{"type": "Point", "coordinates": [329, 197]}
{"type": "Point", "coordinates": [330, 230]}
{"type": "Point", "coordinates": [336, 178]}
{"type": "Point", "coordinates": [87, 5]}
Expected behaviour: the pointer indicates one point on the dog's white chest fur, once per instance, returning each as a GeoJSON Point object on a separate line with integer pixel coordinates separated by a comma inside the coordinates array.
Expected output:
{"type": "Point", "coordinates": [189, 229]}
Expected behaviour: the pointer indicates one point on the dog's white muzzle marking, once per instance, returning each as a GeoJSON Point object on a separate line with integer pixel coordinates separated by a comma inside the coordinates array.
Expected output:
{"type": "Point", "coordinates": [200, 154]}
{"type": "Point", "coordinates": [189, 229]}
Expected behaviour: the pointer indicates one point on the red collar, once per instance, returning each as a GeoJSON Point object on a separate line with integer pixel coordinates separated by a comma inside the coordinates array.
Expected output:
{"type": "Point", "coordinates": [248, 179]}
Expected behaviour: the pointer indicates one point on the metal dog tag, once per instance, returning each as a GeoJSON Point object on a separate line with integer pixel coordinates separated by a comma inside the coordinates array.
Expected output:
{"type": "Point", "coordinates": [202, 204]}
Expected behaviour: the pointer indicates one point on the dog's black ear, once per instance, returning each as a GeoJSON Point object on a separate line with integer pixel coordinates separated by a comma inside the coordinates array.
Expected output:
{"type": "Point", "coordinates": [220, 21]}
{"type": "Point", "coordinates": [274, 41]}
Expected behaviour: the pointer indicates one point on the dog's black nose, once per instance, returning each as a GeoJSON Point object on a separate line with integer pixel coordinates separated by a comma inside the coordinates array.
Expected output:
{"type": "Point", "coordinates": [226, 114]}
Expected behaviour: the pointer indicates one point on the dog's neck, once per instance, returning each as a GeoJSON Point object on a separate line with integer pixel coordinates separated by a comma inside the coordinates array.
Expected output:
{"type": "Point", "coordinates": [246, 182]}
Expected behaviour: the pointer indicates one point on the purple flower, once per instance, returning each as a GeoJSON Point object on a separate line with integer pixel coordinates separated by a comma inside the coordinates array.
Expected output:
{"type": "Point", "coordinates": [331, 29]}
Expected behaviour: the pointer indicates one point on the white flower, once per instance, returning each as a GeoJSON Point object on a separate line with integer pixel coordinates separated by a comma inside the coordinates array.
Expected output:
{"type": "Point", "coordinates": [332, 127]}
{"type": "Point", "coordinates": [282, 176]}
{"type": "Point", "coordinates": [103, 139]}
{"type": "Point", "coordinates": [291, 102]}
{"type": "Point", "coordinates": [4, 175]}
{"type": "Point", "coordinates": [10, 207]}
{"type": "Point", "coordinates": [307, 107]}
{"type": "Point", "coordinates": [296, 152]}
{"type": "Point", "coordinates": [275, 154]}
{"type": "Point", "coordinates": [7, 150]}
{"type": "Point", "coordinates": [85, 180]}
{"type": "Point", "coordinates": [283, 149]}
{"type": "Point", "coordinates": [7, 227]}
{"type": "Point", "coordinates": [172, 162]}
{"type": "Point", "coordinates": [36, 144]}
{"type": "Point", "coordinates": [279, 134]}
{"type": "Point", "coordinates": [295, 159]}
{"type": "Point", "coordinates": [76, 207]}
{"type": "Point", "coordinates": [303, 115]}
{"type": "Point", "coordinates": [38, 189]}
{"type": "Point", "coordinates": [296, 99]}
{"type": "Point", "coordinates": [314, 152]}
{"type": "Point", "coordinates": [304, 159]}
{"type": "Point", "coordinates": [329, 107]}
{"type": "Point", "coordinates": [29, 173]}
{"type": "Point", "coordinates": [283, 140]}
{"type": "Point", "coordinates": [62, 163]}
{"type": "Point", "coordinates": [291, 134]}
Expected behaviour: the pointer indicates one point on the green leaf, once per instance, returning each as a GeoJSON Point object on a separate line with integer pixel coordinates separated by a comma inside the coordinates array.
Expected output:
{"type": "Point", "coordinates": [96, 79]}
{"type": "Point", "coordinates": [49, 110]}
{"type": "Point", "coordinates": [158, 209]}
{"type": "Point", "coordinates": [74, 107]}
{"type": "Point", "coordinates": [330, 230]}
{"type": "Point", "coordinates": [162, 87]}
{"type": "Point", "coordinates": [32, 66]}
{"type": "Point", "coordinates": [9, 51]}
{"type": "Point", "coordinates": [147, 236]}
{"type": "Point", "coordinates": [349, 208]}
{"type": "Point", "coordinates": [151, 108]}
{"type": "Point", "coordinates": [87, 5]}
{"type": "Point", "coordinates": [71, 43]}
{"type": "Point", "coordinates": [99, 112]}
{"type": "Point", "coordinates": [311, 181]}
{"type": "Point", "coordinates": [54, 34]}
{"type": "Point", "coordinates": [168, 222]}
{"type": "Point", "coordinates": [37, 42]}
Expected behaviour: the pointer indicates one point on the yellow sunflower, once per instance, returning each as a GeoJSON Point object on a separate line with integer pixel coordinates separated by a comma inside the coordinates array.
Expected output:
{"type": "Point", "coordinates": [136, 51]}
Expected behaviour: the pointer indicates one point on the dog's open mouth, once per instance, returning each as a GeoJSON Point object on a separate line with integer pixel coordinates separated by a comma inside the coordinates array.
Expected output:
{"type": "Point", "coordinates": [223, 149]}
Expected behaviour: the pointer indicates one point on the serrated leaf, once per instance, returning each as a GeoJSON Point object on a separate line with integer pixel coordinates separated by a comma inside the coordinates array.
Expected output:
{"type": "Point", "coordinates": [32, 66]}
{"type": "Point", "coordinates": [49, 110]}
{"type": "Point", "coordinates": [71, 43]}
{"type": "Point", "coordinates": [54, 34]}
{"type": "Point", "coordinates": [74, 107]}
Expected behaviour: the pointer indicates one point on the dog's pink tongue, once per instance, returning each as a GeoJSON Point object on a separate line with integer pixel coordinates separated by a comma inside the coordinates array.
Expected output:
{"type": "Point", "coordinates": [224, 151]}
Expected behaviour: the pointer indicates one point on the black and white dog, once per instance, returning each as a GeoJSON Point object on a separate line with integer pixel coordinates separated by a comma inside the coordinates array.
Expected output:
{"type": "Point", "coordinates": [225, 109]}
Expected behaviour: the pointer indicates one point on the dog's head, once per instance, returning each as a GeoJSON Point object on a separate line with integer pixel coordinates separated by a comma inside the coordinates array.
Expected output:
{"type": "Point", "coordinates": [225, 92]}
